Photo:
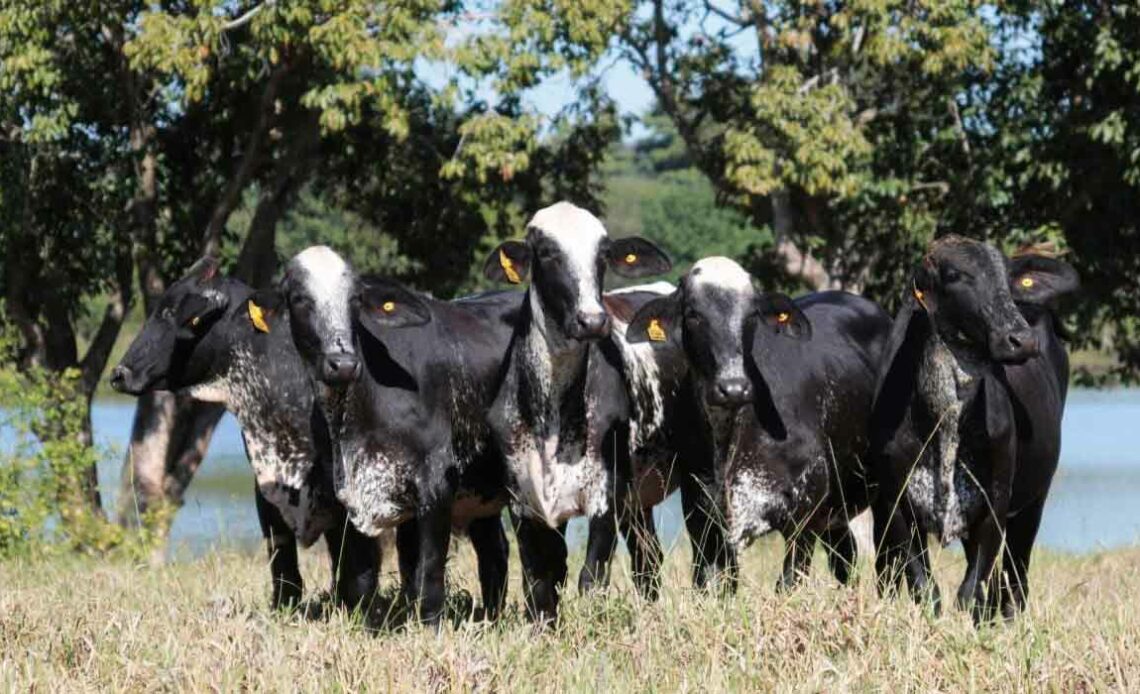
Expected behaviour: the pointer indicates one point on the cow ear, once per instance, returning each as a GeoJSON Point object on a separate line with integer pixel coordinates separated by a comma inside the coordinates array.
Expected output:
{"type": "Point", "coordinates": [782, 316]}
{"type": "Point", "coordinates": [510, 262]}
{"type": "Point", "coordinates": [204, 270]}
{"type": "Point", "coordinates": [385, 304]}
{"type": "Point", "coordinates": [923, 284]}
{"type": "Point", "coordinates": [263, 309]}
{"type": "Point", "coordinates": [658, 321]}
{"type": "Point", "coordinates": [898, 370]}
{"type": "Point", "coordinates": [199, 309]}
{"type": "Point", "coordinates": [1037, 279]}
{"type": "Point", "coordinates": [634, 256]}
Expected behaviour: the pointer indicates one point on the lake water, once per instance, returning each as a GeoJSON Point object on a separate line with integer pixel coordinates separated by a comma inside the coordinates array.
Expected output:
{"type": "Point", "coordinates": [1095, 502]}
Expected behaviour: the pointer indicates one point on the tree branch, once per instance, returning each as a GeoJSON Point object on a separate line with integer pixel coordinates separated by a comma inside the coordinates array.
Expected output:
{"type": "Point", "coordinates": [246, 18]}
{"type": "Point", "coordinates": [231, 196]}
{"type": "Point", "coordinates": [99, 351]}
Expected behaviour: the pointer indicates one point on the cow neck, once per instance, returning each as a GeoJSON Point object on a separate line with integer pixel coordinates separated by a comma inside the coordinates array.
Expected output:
{"type": "Point", "coordinates": [726, 429]}
{"type": "Point", "coordinates": [273, 415]}
{"type": "Point", "coordinates": [949, 378]}
{"type": "Point", "coordinates": [552, 369]}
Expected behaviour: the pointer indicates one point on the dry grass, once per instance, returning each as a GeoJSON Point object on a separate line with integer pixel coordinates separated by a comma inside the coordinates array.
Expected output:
{"type": "Point", "coordinates": [79, 624]}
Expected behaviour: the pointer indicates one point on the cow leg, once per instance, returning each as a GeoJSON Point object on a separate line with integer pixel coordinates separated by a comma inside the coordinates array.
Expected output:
{"type": "Point", "coordinates": [644, 549]}
{"type": "Point", "coordinates": [491, 549]}
{"type": "Point", "coordinates": [901, 552]}
{"type": "Point", "coordinates": [841, 552]}
{"type": "Point", "coordinates": [600, 547]}
{"type": "Point", "coordinates": [408, 557]}
{"type": "Point", "coordinates": [542, 552]}
{"type": "Point", "coordinates": [355, 561]}
{"type": "Point", "coordinates": [979, 590]}
{"type": "Point", "coordinates": [1021, 533]}
{"type": "Point", "coordinates": [713, 556]}
{"type": "Point", "coordinates": [282, 545]}
{"type": "Point", "coordinates": [797, 559]}
{"type": "Point", "coordinates": [434, 526]}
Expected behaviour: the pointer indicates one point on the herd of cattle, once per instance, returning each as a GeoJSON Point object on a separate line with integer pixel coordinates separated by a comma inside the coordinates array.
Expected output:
{"type": "Point", "coordinates": [366, 406]}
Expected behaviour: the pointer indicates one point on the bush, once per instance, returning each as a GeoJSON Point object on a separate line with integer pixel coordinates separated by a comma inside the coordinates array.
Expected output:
{"type": "Point", "coordinates": [48, 497]}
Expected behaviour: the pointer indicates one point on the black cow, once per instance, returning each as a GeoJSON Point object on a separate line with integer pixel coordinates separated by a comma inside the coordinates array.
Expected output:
{"type": "Point", "coordinates": [561, 414]}
{"type": "Point", "coordinates": [782, 393]}
{"type": "Point", "coordinates": [210, 337]}
{"type": "Point", "coordinates": [405, 382]}
{"type": "Point", "coordinates": [967, 419]}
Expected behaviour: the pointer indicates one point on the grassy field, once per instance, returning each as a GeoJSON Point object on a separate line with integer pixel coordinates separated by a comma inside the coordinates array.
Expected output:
{"type": "Point", "coordinates": [82, 624]}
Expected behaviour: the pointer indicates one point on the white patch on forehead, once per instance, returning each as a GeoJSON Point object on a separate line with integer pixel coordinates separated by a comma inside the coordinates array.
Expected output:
{"type": "Point", "coordinates": [567, 224]}
{"type": "Point", "coordinates": [325, 272]}
{"type": "Point", "coordinates": [721, 272]}
{"type": "Point", "coordinates": [327, 280]}
{"type": "Point", "coordinates": [578, 233]}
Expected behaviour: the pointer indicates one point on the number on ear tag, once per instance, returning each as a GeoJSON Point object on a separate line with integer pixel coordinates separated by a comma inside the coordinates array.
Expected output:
{"type": "Point", "coordinates": [257, 317]}
{"type": "Point", "coordinates": [656, 332]}
{"type": "Point", "coordinates": [509, 267]}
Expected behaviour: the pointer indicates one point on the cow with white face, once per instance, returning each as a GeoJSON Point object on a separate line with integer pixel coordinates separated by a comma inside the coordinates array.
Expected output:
{"type": "Point", "coordinates": [784, 389]}
{"type": "Point", "coordinates": [405, 382]}
{"type": "Point", "coordinates": [561, 413]}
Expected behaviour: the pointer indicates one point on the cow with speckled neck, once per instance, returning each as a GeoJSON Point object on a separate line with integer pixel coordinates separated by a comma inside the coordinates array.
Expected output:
{"type": "Point", "coordinates": [211, 337]}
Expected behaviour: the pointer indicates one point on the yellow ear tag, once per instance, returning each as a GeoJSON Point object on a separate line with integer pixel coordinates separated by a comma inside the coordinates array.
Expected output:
{"type": "Point", "coordinates": [195, 321]}
{"type": "Point", "coordinates": [1027, 282]}
{"type": "Point", "coordinates": [783, 317]}
{"type": "Point", "coordinates": [509, 268]}
{"type": "Point", "coordinates": [656, 332]}
{"type": "Point", "coordinates": [918, 294]}
{"type": "Point", "coordinates": [388, 306]}
{"type": "Point", "coordinates": [631, 258]}
{"type": "Point", "coordinates": [257, 317]}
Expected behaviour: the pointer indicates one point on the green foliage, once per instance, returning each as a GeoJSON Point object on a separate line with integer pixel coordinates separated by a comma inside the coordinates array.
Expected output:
{"type": "Point", "coordinates": [45, 465]}
{"type": "Point", "coordinates": [682, 216]}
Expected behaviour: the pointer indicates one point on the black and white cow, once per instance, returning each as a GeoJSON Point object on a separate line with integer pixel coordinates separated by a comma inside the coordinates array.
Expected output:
{"type": "Point", "coordinates": [405, 382]}
{"type": "Point", "coordinates": [210, 337]}
{"type": "Point", "coordinates": [561, 413]}
{"type": "Point", "coordinates": [782, 392]}
{"type": "Point", "coordinates": [666, 451]}
{"type": "Point", "coordinates": [967, 419]}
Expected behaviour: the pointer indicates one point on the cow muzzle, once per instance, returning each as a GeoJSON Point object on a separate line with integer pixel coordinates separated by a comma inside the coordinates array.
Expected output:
{"type": "Point", "coordinates": [124, 380]}
{"type": "Point", "coordinates": [339, 368]}
{"type": "Point", "coordinates": [591, 325]}
{"type": "Point", "coordinates": [1014, 346]}
{"type": "Point", "coordinates": [730, 392]}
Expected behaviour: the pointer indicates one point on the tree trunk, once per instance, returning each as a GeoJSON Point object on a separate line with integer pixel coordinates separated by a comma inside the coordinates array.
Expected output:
{"type": "Point", "coordinates": [797, 263]}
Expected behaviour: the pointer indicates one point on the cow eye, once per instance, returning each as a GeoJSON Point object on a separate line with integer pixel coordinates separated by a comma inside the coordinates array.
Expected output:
{"type": "Point", "coordinates": [166, 313]}
{"type": "Point", "coordinates": [951, 275]}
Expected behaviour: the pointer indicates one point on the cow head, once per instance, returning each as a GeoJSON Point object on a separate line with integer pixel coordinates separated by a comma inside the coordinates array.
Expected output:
{"type": "Point", "coordinates": [965, 288]}
{"type": "Point", "coordinates": [173, 349]}
{"type": "Point", "coordinates": [721, 321]}
{"type": "Point", "coordinates": [566, 253]}
{"type": "Point", "coordinates": [714, 314]}
{"type": "Point", "coordinates": [326, 301]}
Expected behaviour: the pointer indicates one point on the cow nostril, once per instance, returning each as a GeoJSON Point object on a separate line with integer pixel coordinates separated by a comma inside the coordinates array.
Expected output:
{"type": "Point", "coordinates": [1015, 341]}
{"type": "Point", "coordinates": [119, 375]}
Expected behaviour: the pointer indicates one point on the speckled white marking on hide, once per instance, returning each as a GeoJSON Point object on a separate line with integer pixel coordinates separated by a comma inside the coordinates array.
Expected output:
{"type": "Point", "coordinates": [941, 489]}
{"type": "Point", "coordinates": [750, 499]}
{"type": "Point", "coordinates": [555, 477]}
{"type": "Point", "coordinates": [281, 459]}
